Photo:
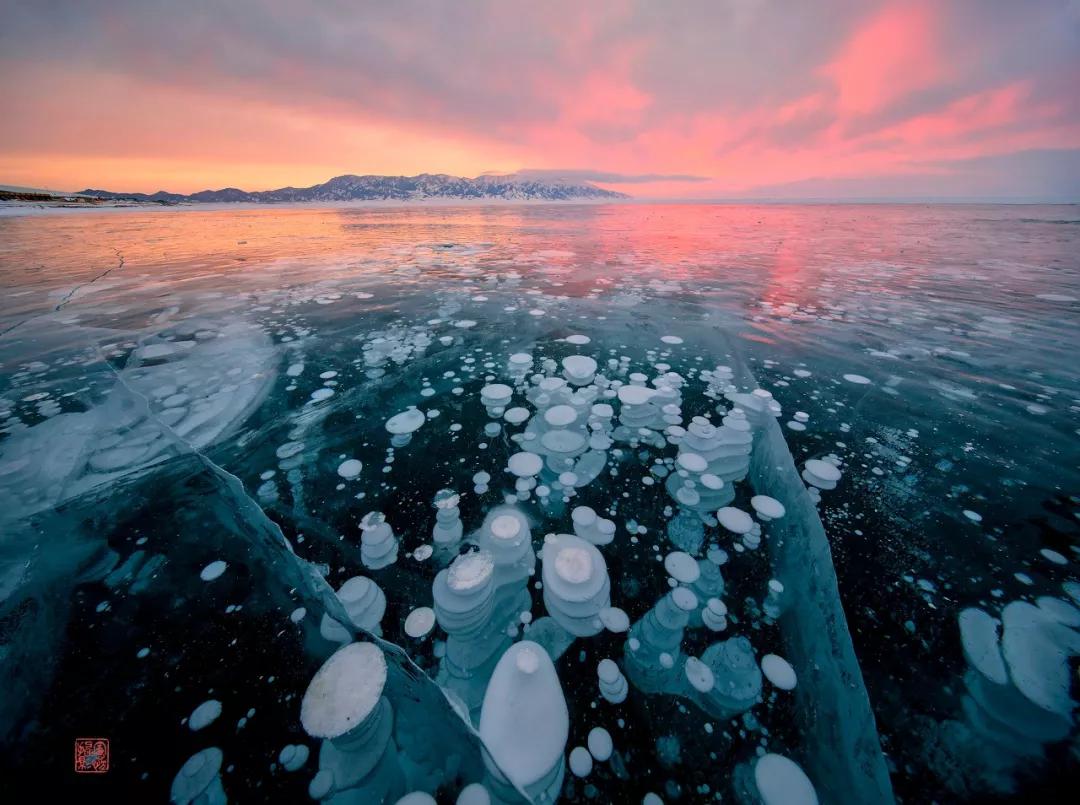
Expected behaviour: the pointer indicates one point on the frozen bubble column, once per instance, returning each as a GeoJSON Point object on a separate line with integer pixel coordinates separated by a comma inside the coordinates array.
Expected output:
{"type": "Point", "coordinates": [378, 545]}
{"type": "Point", "coordinates": [576, 584]}
{"type": "Point", "coordinates": [506, 535]}
{"type": "Point", "coordinates": [653, 653]}
{"type": "Point", "coordinates": [345, 707]}
{"type": "Point", "coordinates": [524, 726]}
{"type": "Point", "coordinates": [448, 529]}
{"type": "Point", "coordinates": [464, 596]}
{"type": "Point", "coordinates": [365, 603]}
{"type": "Point", "coordinates": [838, 737]}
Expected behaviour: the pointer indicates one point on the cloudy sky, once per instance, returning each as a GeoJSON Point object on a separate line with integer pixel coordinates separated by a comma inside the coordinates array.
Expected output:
{"type": "Point", "coordinates": [691, 99]}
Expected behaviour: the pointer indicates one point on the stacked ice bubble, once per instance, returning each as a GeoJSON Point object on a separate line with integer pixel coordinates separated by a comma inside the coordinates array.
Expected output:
{"type": "Point", "coordinates": [505, 534]}
{"type": "Point", "coordinates": [464, 596]}
{"type": "Point", "coordinates": [576, 584]}
{"type": "Point", "coordinates": [344, 706]}
{"type": "Point", "coordinates": [402, 426]}
{"type": "Point", "coordinates": [589, 526]}
{"type": "Point", "coordinates": [613, 685]}
{"type": "Point", "coordinates": [365, 604]}
{"type": "Point", "coordinates": [378, 545]}
{"type": "Point", "coordinates": [448, 529]}
{"type": "Point", "coordinates": [654, 650]}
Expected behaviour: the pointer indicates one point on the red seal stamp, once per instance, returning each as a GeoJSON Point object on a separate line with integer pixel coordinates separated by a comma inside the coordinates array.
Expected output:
{"type": "Point", "coordinates": [91, 755]}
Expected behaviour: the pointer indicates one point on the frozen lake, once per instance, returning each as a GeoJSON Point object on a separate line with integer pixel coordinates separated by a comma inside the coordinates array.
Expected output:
{"type": "Point", "coordinates": [679, 503]}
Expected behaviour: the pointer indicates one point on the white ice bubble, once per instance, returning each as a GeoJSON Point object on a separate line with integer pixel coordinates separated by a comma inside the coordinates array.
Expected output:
{"type": "Point", "coordinates": [344, 690]}
{"type": "Point", "coordinates": [420, 622]}
{"type": "Point", "coordinates": [735, 520]}
{"type": "Point", "coordinates": [858, 380]}
{"type": "Point", "coordinates": [405, 422]}
{"type": "Point", "coordinates": [474, 794]}
{"type": "Point", "coordinates": [525, 464]}
{"type": "Point", "coordinates": [614, 619]}
{"type": "Point", "coordinates": [213, 570]}
{"type": "Point", "coordinates": [671, 339]}
{"type": "Point", "coordinates": [350, 468]}
{"type": "Point", "coordinates": [767, 508]}
{"type": "Point", "coordinates": [778, 671]}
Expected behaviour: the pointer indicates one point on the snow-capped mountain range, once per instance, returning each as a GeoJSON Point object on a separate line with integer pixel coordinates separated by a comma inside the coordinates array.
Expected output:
{"type": "Point", "coordinates": [402, 188]}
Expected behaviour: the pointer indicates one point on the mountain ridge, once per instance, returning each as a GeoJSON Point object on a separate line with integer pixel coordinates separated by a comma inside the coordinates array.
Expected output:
{"type": "Point", "coordinates": [374, 187]}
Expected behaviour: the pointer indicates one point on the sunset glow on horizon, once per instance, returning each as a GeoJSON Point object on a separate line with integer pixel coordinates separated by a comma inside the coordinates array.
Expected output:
{"type": "Point", "coordinates": [695, 100]}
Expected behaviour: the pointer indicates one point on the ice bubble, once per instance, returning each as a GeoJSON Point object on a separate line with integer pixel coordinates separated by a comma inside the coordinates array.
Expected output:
{"type": "Point", "coordinates": [682, 567]}
{"type": "Point", "coordinates": [204, 715]}
{"type": "Point", "coordinates": [767, 508]}
{"type": "Point", "coordinates": [474, 794]}
{"type": "Point", "coordinates": [858, 380]}
{"type": "Point", "coordinates": [671, 339]}
{"type": "Point", "coordinates": [614, 619]}
{"type": "Point", "coordinates": [295, 370]}
{"type": "Point", "coordinates": [321, 784]}
{"type": "Point", "coordinates": [821, 474]}
{"type": "Point", "coordinates": [635, 395]}
{"type": "Point", "coordinates": [419, 622]}
{"type": "Point", "coordinates": [515, 416]}
{"type": "Point", "coordinates": [406, 422]}
{"type": "Point", "coordinates": [294, 756]}
{"type": "Point", "coordinates": [573, 565]}
{"type": "Point", "coordinates": [579, 369]}
{"type": "Point", "coordinates": [778, 671]}
{"type": "Point", "coordinates": [600, 743]}
{"type": "Point", "coordinates": [735, 520]}
{"type": "Point", "coordinates": [699, 675]}
{"type": "Point", "coordinates": [577, 340]}
{"type": "Point", "coordinates": [344, 691]}
{"type": "Point", "coordinates": [1036, 648]}
{"type": "Point", "coordinates": [198, 779]}
{"type": "Point", "coordinates": [652, 799]}
{"type": "Point", "coordinates": [559, 416]}
{"type": "Point", "coordinates": [470, 571]}
{"type": "Point", "coordinates": [496, 393]}
{"type": "Point", "coordinates": [1053, 556]}
{"type": "Point", "coordinates": [525, 464]}
{"type": "Point", "coordinates": [975, 517]}
{"type": "Point", "coordinates": [417, 798]}
{"type": "Point", "coordinates": [580, 761]}
{"type": "Point", "coordinates": [349, 468]}
{"type": "Point", "coordinates": [780, 781]}
{"type": "Point", "coordinates": [692, 462]}
{"type": "Point", "coordinates": [213, 570]}
{"type": "Point", "coordinates": [321, 394]}
{"type": "Point", "coordinates": [524, 690]}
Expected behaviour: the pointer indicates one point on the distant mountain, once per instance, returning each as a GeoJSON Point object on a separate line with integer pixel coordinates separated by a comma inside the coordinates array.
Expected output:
{"type": "Point", "coordinates": [399, 188]}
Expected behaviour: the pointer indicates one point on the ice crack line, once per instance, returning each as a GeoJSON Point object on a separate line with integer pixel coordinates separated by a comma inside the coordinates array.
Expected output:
{"type": "Point", "coordinates": [105, 273]}
{"type": "Point", "coordinates": [70, 294]}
